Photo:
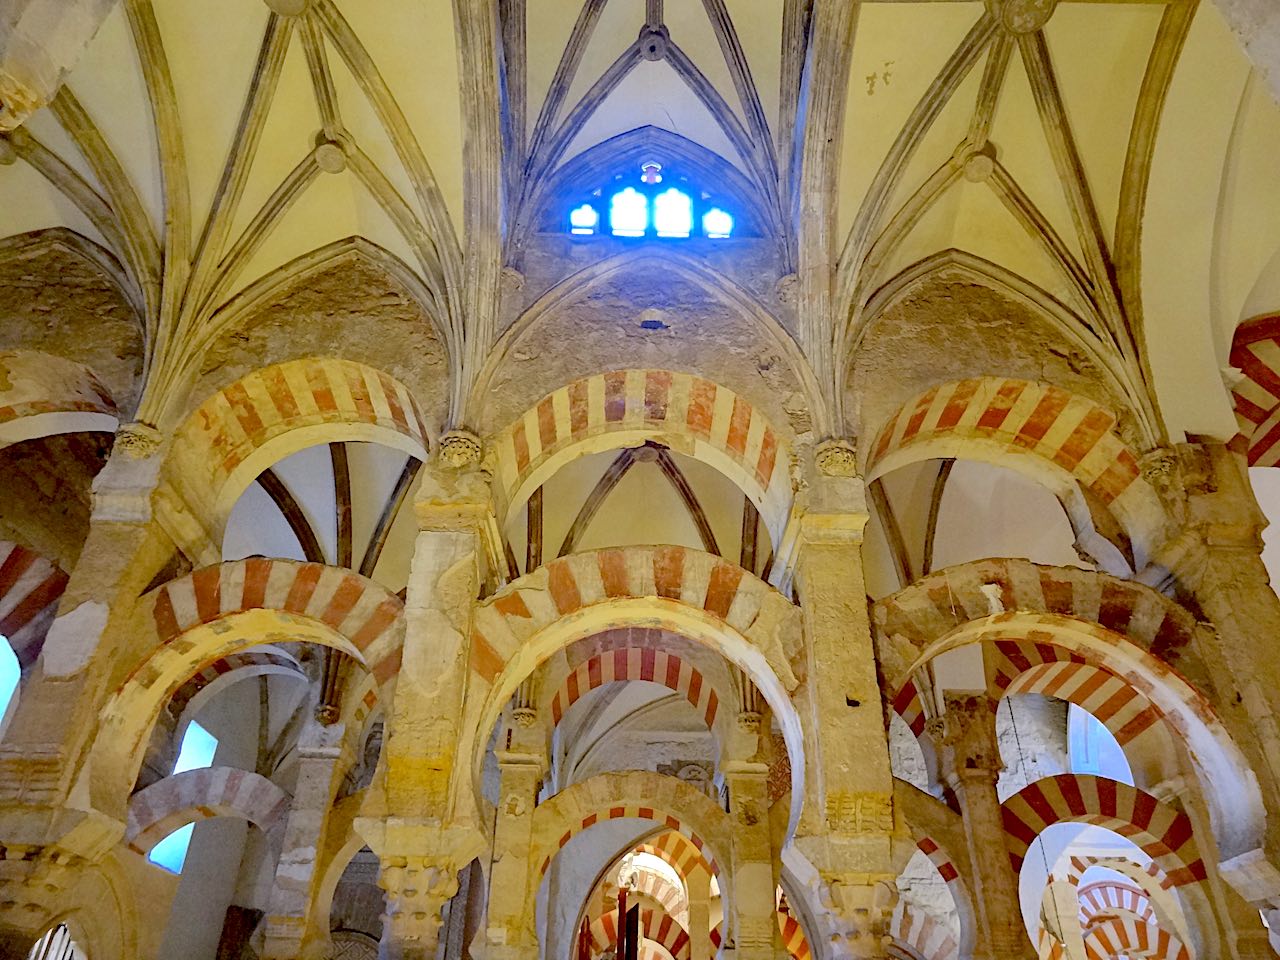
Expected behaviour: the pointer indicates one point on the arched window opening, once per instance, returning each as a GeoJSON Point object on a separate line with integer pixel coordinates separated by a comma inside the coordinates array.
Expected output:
{"type": "Point", "coordinates": [197, 751]}
{"type": "Point", "coordinates": [646, 206]}
{"type": "Point", "coordinates": [673, 213]}
{"type": "Point", "coordinates": [717, 224]}
{"type": "Point", "coordinates": [584, 220]}
{"type": "Point", "coordinates": [629, 213]}
{"type": "Point", "coordinates": [10, 672]}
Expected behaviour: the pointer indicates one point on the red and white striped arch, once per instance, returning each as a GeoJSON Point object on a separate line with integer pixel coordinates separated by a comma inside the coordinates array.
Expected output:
{"type": "Point", "coordinates": [30, 588]}
{"type": "Point", "coordinates": [701, 597]}
{"type": "Point", "coordinates": [707, 583]}
{"type": "Point", "coordinates": [1061, 440]}
{"type": "Point", "coordinates": [939, 603]}
{"type": "Point", "coordinates": [668, 669]}
{"type": "Point", "coordinates": [657, 926]}
{"type": "Point", "coordinates": [919, 936]}
{"type": "Point", "coordinates": [685, 857]}
{"type": "Point", "coordinates": [630, 811]}
{"type": "Point", "coordinates": [668, 802]}
{"type": "Point", "coordinates": [1072, 432]}
{"type": "Point", "coordinates": [691, 415]}
{"type": "Point", "coordinates": [1161, 832]}
{"type": "Point", "coordinates": [1105, 898]}
{"type": "Point", "coordinates": [1255, 350]}
{"type": "Point", "coordinates": [266, 416]}
{"type": "Point", "coordinates": [238, 666]}
{"type": "Point", "coordinates": [358, 609]}
{"type": "Point", "coordinates": [793, 939]}
{"type": "Point", "coordinates": [222, 610]}
{"type": "Point", "coordinates": [1121, 937]}
{"type": "Point", "coordinates": [156, 811]}
{"type": "Point", "coordinates": [42, 394]}
{"type": "Point", "coordinates": [660, 889]}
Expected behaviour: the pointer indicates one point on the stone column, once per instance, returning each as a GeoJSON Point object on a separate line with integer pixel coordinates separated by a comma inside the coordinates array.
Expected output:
{"type": "Point", "coordinates": [510, 933]}
{"type": "Point", "coordinates": [410, 818]}
{"type": "Point", "coordinates": [846, 830]}
{"type": "Point", "coordinates": [1219, 557]}
{"type": "Point", "coordinates": [969, 759]}
{"type": "Point", "coordinates": [755, 926]}
{"type": "Point", "coordinates": [322, 755]}
{"type": "Point", "coordinates": [699, 890]}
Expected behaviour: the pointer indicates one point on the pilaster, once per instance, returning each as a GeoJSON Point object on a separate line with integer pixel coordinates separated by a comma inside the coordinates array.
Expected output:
{"type": "Point", "coordinates": [510, 933]}
{"type": "Point", "coordinates": [410, 819]}
{"type": "Point", "coordinates": [847, 827]}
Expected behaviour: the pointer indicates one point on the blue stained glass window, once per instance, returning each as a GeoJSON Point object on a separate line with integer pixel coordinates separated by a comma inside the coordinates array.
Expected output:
{"type": "Point", "coordinates": [197, 751]}
{"type": "Point", "coordinates": [629, 213]}
{"type": "Point", "coordinates": [584, 220]}
{"type": "Point", "coordinates": [657, 203]}
{"type": "Point", "coordinates": [717, 224]}
{"type": "Point", "coordinates": [673, 213]}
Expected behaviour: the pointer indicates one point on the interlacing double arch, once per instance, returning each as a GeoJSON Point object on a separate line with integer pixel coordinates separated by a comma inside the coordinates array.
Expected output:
{"type": "Point", "coordinates": [696, 595]}
{"type": "Point", "coordinates": [221, 610]}
{"type": "Point", "coordinates": [1029, 616]}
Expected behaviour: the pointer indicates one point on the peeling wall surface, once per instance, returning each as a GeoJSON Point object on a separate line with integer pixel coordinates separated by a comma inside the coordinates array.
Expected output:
{"type": "Point", "coordinates": [800, 473]}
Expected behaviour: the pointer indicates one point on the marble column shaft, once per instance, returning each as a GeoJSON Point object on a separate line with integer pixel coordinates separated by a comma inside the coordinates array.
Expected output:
{"type": "Point", "coordinates": [970, 761]}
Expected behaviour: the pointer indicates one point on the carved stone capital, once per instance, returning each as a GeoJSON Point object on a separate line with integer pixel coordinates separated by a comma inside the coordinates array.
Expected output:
{"type": "Point", "coordinates": [137, 441]}
{"type": "Point", "coordinates": [836, 458]}
{"type": "Point", "coordinates": [460, 448]}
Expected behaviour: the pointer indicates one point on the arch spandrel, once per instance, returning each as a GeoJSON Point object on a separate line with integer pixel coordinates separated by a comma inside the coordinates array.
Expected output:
{"type": "Point", "coordinates": [42, 394]}
{"type": "Point", "coordinates": [744, 346]}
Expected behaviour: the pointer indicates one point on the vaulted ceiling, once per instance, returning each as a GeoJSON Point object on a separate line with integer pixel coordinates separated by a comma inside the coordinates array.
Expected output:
{"type": "Point", "coordinates": [1116, 157]}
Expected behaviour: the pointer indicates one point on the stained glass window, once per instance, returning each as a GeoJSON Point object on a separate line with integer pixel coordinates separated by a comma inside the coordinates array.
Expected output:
{"type": "Point", "coordinates": [673, 213]}
{"type": "Point", "coordinates": [584, 220]}
{"type": "Point", "coordinates": [652, 202]}
{"type": "Point", "coordinates": [629, 213]}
